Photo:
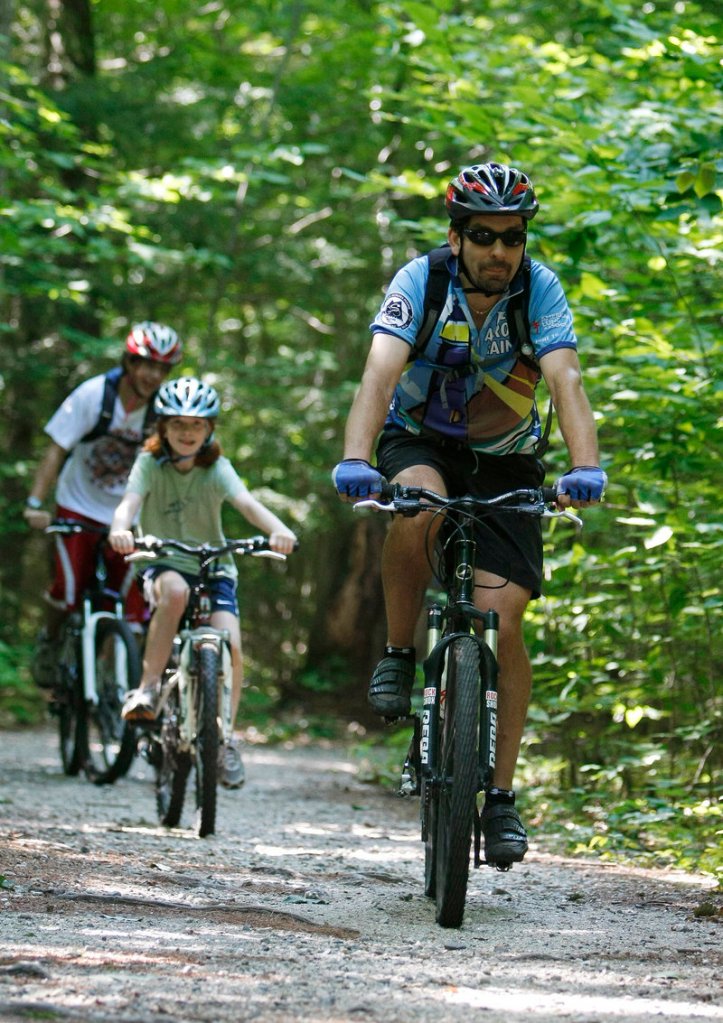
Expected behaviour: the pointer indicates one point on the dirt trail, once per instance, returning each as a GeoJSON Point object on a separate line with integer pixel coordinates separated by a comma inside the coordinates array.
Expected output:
{"type": "Point", "coordinates": [307, 906]}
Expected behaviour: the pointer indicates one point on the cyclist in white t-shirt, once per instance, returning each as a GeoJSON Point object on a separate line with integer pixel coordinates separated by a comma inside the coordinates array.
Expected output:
{"type": "Point", "coordinates": [94, 437]}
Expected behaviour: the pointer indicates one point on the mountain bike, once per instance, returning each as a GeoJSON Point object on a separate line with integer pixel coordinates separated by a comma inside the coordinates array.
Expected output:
{"type": "Point", "coordinates": [195, 716]}
{"type": "Point", "coordinates": [98, 661]}
{"type": "Point", "coordinates": [451, 755]}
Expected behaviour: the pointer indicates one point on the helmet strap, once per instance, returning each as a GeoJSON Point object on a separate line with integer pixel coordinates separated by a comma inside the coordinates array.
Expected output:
{"type": "Point", "coordinates": [473, 290]}
{"type": "Point", "coordinates": [167, 456]}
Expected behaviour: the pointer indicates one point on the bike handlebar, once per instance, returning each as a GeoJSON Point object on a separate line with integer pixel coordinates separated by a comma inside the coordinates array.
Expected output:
{"type": "Point", "coordinates": [65, 527]}
{"type": "Point", "coordinates": [256, 546]}
{"type": "Point", "coordinates": [410, 501]}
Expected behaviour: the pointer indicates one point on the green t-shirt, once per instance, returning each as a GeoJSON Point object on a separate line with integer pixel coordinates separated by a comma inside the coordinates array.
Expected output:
{"type": "Point", "coordinates": [185, 506]}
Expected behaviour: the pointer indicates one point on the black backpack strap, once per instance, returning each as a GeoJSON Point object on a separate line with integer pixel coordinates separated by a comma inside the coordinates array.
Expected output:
{"type": "Point", "coordinates": [435, 294]}
{"type": "Point", "coordinates": [110, 392]}
{"type": "Point", "coordinates": [149, 420]}
{"type": "Point", "coordinates": [518, 315]}
{"type": "Point", "coordinates": [519, 304]}
{"type": "Point", "coordinates": [519, 319]}
{"type": "Point", "coordinates": [544, 441]}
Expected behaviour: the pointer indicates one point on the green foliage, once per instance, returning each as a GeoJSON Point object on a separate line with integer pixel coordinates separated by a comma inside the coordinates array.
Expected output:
{"type": "Point", "coordinates": [20, 701]}
{"type": "Point", "coordinates": [254, 173]}
{"type": "Point", "coordinates": [663, 827]}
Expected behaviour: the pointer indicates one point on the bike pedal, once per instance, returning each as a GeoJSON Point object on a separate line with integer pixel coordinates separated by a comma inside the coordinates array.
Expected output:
{"type": "Point", "coordinates": [395, 720]}
{"type": "Point", "coordinates": [501, 867]}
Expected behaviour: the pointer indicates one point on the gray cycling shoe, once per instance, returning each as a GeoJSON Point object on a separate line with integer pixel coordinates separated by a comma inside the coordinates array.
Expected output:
{"type": "Point", "coordinates": [390, 690]}
{"type": "Point", "coordinates": [231, 772]}
{"type": "Point", "coordinates": [504, 833]}
{"type": "Point", "coordinates": [142, 704]}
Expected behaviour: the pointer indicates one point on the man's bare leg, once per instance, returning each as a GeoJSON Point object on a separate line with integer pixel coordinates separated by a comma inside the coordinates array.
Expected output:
{"type": "Point", "coordinates": [405, 576]}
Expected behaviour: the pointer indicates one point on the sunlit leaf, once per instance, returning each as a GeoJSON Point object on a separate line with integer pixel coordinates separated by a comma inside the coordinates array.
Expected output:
{"type": "Point", "coordinates": [659, 537]}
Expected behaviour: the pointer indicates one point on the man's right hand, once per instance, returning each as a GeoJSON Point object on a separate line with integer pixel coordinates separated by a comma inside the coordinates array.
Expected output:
{"type": "Point", "coordinates": [36, 518]}
{"type": "Point", "coordinates": [354, 478]}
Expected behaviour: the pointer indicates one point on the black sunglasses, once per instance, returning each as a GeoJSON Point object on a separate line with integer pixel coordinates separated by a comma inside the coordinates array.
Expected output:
{"type": "Point", "coordinates": [511, 239]}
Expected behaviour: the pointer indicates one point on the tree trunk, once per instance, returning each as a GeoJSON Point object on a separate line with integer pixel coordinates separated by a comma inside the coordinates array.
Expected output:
{"type": "Point", "coordinates": [348, 630]}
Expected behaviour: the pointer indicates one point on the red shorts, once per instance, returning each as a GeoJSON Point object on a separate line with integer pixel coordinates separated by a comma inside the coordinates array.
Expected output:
{"type": "Point", "coordinates": [74, 569]}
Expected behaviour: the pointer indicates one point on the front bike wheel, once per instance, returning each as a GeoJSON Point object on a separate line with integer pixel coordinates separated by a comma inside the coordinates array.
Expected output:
{"type": "Point", "coordinates": [69, 701]}
{"type": "Point", "coordinates": [207, 739]}
{"type": "Point", "coordinates": [111, 740]}
{"type": "Point", "coordinates": [173, 765]}
{"type": "Point", "coordinates": [458, 776]}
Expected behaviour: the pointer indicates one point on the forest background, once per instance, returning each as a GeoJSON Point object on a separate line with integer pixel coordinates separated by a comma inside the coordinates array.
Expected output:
{"type": "Point", "coordinates": [253, 173]}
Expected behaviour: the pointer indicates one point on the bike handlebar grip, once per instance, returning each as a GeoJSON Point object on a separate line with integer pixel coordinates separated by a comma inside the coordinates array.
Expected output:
{"type": "Point", "coordinates": [549, 495]}
{"type": "Point", "coordinates": [388, 490]}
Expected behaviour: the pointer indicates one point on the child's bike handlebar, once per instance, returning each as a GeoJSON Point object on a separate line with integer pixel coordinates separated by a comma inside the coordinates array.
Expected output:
{"type": "Point", "coordinates": [153, 546]}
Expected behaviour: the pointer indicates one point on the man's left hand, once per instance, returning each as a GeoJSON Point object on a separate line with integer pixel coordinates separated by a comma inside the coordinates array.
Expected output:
{"type": "Point", "coordinates": [582, 485]}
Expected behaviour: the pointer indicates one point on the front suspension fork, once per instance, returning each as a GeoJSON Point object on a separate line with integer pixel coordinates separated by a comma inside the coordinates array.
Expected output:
{"type": "Point", "coordinates": [488, 717]}
{"type": "Point", "coordinates": [421, 752]}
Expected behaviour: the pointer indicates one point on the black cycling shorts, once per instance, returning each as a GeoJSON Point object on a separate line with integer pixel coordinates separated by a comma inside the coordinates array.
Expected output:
{"type": "Point", "coordinates": [508, 544]}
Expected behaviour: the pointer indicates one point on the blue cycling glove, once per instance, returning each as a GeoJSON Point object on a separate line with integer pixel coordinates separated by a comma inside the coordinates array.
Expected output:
{"type": "Point", "coordinates": [583, 483]}
{"type": "Point", "coordinates": [356, 478]}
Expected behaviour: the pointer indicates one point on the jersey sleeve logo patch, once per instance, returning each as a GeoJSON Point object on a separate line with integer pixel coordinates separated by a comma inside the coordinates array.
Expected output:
{"type": "Point", "coordinates": [396, 311]}
{"type": "Point", "coordinates": [553, 320]}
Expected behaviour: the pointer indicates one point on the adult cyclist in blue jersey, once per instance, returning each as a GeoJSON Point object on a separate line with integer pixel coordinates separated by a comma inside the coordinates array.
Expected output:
{"type": "Point", "coordinates": [457, 414]}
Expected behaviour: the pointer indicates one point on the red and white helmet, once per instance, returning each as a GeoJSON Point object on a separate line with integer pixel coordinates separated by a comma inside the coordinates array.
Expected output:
{"type": "Point", "coordinates": [156, 342]}
{"type": "Point", "coordinates": [491, 188]}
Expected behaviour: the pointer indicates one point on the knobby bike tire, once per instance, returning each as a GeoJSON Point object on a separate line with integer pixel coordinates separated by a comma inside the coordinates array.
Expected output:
{"type": "Point", "coordinates": [111, 740]}
{"type": "Point", "coordinates": [174, 766]}
{"type": "Point", "coordinates": [458, 763]}
{"type": "Point", "coordinates": [69, 702]}
{"type": "Point", "coordinates": [207, 739]}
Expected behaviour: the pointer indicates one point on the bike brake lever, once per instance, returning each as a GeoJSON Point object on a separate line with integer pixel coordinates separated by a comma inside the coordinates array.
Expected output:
{"type": "Point", "coordinates": [563, 514]}
{"type": "Point", "coordinates": [275, 555]}
{"type": "Point", "coordinates": [567, 514]}
{"type": "Point", "coordinates": [376, 505]}
{"type": "Point", "coordinates": [138, 554]}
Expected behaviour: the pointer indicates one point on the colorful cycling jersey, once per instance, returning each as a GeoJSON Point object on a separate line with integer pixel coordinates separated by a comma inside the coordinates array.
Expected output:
{"type": "Point", "coordinates": [476, 387]}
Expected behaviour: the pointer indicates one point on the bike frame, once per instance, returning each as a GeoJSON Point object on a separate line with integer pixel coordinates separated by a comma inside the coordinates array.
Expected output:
{"type": "Point", "coordinates": [191, 642]}
{"type": "Point", "coordinates": [445, 624]}
{"type": "Point", "coordinates": [196, 695]}
{"type": "Point", "coordinates": [196, 633]}
{"type": "Point", "coordinates": [458, 622]}
{"type": "Point", "coordinates": [92, 734]}
{"type": "Point", "coordinates": [90, 618]}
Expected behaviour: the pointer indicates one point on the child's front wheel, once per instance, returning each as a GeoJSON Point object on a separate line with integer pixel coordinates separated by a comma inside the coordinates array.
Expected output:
{"type": "Point", "coordinates": [173, 766]}
{"type": "Point", "coordinates": [208, 739]}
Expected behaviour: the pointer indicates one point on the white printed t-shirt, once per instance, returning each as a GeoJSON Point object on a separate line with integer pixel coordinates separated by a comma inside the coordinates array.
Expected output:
{"type": "Point", "coordinates": [93, 478]}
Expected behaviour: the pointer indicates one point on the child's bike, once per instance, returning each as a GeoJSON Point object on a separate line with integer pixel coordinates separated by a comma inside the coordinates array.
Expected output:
{"type": "Point", "coordinates": [195, 716]}
{"type": "Point", "coordinates": [97, 662]}
{"type": "Point", "coordinates": [451, 756]}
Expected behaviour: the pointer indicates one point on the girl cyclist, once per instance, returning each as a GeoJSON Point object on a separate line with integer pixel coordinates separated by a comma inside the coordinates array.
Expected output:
{"type": "Point", "coordinates": [177, 486]}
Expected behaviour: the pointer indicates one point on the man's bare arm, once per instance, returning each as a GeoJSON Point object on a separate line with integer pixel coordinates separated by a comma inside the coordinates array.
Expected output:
{"type": "Point", "coordinates": [387, 358]}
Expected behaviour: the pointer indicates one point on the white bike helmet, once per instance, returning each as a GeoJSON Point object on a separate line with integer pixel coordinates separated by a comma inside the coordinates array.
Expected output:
{"type": "Point", "coordinates": [187, 396]}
